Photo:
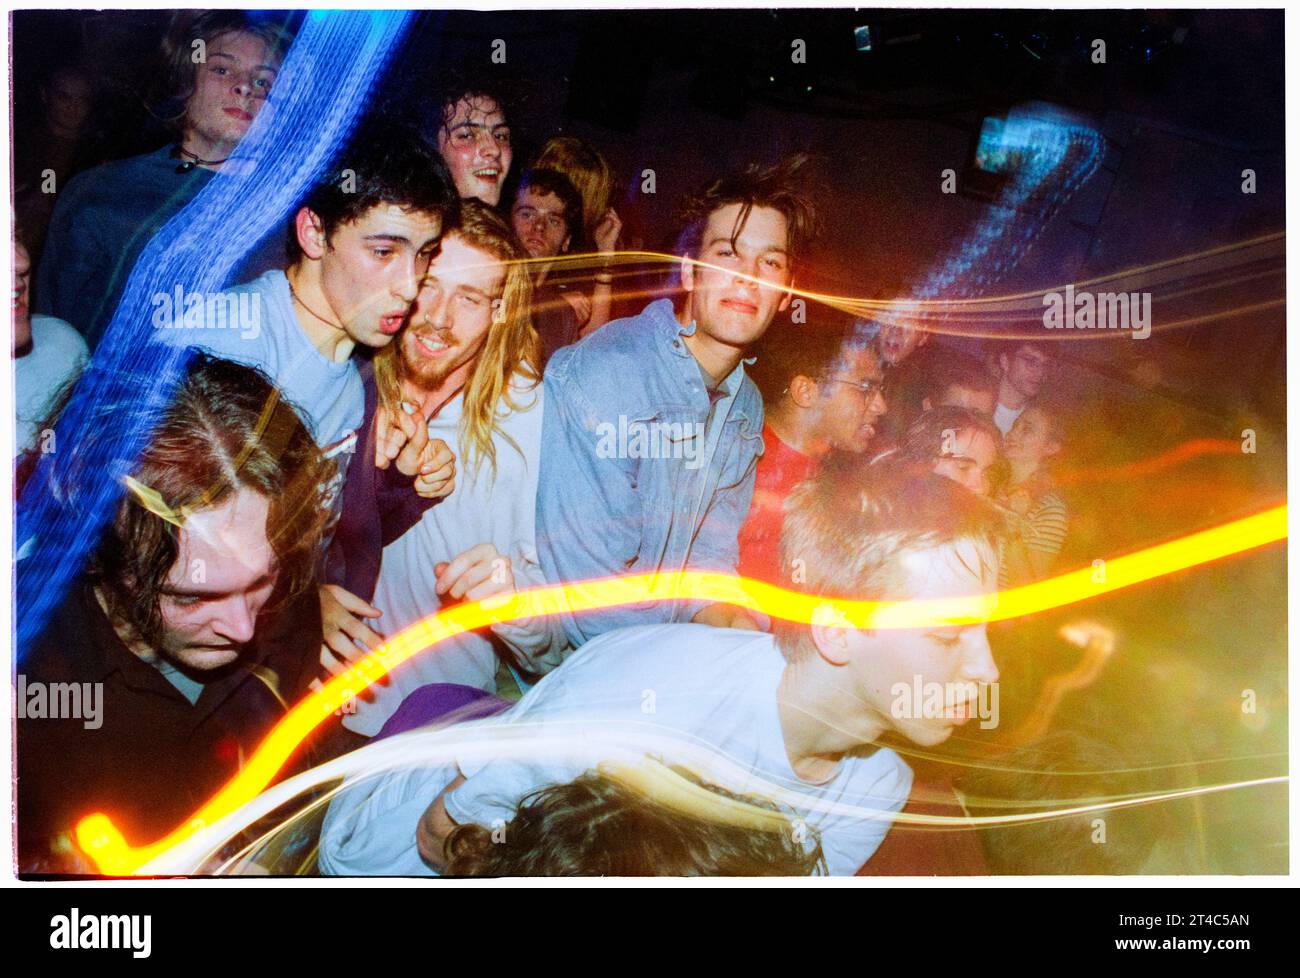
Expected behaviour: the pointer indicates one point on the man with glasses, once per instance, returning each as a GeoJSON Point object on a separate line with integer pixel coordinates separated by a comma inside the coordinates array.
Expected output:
{"type": "Point", "coordinates": [1022, 369]}
{"type": "Point", "coordinates": [821, 387]}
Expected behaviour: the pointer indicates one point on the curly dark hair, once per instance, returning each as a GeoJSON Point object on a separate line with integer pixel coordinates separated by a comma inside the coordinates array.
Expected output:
{"type": "Point", "coordinates": [227, 428]}
{"type": "Point", "coordinates": [598, 826]}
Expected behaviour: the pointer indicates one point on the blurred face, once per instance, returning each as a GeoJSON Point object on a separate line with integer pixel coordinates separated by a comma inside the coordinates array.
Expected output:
{"type": "Point", "coordinates": [899, 341]}
{"type": "Point", "coordinates": [224, 574]}
{"type": "Point", "coordinates": [958, 657]}
{"type": "Point", "coordinates": [979, 401]}
{"type": "Point", "coordinates": [538, 220]}
{"type": "Point", "coordinates": [22, 280]}
{"type": "Point", "coordinates": [1024, 371]}
{"type": "Point", "coordinates": [1030, 438]}
{"type": "Point", "coordinates": [965, 457]}
{"type": "Point", "coordinates": [475, 144]}
{"type": "Point", "coordinates": [371, 270]}
{"type": "Point", "coordinates": [742, 284]}
{"type": "Point", "coordinates": [230, 88]}
{"type": "Point", "coordinates": [67, 101]}
{"type": "Point", "coordinates": [456, 307]}
{"type": "Point", "coordinates": [850, 403]}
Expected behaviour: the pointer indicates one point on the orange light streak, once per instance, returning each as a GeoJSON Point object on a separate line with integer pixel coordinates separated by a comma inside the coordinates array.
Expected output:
{"type": "Point", "coordinates": [100, 839]}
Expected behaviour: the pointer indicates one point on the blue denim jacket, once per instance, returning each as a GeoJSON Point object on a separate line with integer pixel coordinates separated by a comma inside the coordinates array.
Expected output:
{"type": "Point", "coordinates": [631, 480]}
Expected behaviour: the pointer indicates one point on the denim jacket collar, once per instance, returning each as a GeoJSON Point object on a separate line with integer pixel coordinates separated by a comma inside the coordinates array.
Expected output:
{"type": "Point", "coordinates": [671, 331]}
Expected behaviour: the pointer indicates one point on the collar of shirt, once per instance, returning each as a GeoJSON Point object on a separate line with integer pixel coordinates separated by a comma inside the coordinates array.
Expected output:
{"type": "Point", "coordinates": [661, 313]}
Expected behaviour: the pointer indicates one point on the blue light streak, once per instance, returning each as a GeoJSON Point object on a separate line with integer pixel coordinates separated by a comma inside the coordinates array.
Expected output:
{"type": "Point", "coordinates": [320, 94]}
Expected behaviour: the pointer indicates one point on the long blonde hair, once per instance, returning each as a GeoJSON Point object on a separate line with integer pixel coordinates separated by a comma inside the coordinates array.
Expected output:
{"type": "Point", "coordinates": [511, 346]}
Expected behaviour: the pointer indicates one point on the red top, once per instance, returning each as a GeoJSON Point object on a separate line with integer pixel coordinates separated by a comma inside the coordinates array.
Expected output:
{"type": "Point", "coordinates": [779, 470]}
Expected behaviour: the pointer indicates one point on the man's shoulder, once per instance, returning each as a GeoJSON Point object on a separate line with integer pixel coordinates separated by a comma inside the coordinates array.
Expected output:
{"type": "Point", "coordinates": [108, 181]}
{"type": "Point", "coordinates": [601, 366]}
{"type": "Point", "coordinates": [749, 399]}
{"type": "Point", "coordinates": [679, 651]}
{"type": "Point", "coordinates": [626, 339]}
{"type": "Point", "coordinates": [59, 338]}
{"type": "Point", "coordinates": [66, 650]}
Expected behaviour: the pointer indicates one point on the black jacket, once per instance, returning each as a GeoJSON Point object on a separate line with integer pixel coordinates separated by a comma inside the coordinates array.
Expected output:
{"type": "Point", "coordinates": [155, 758]}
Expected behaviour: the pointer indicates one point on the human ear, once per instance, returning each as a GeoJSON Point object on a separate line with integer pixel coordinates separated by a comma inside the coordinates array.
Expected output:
{"type": "Point", "coordinates": [786, 299]}
{"type": "Point", "coordinates": [311, 233]}
{"type": "Point", "coordinates": [803, 390]}
{"type": "Point", "coordinates": [832, 642]}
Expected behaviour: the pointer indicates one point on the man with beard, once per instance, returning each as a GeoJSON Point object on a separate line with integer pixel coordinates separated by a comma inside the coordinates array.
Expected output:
{"type": "Point", "coordinates": [467, 363]}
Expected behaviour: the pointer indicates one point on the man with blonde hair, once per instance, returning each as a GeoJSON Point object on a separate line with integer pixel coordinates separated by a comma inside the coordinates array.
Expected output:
{"type": "Point", "coordinates": [466, 363]}
{"type": "Point", "coordinates": [800, 710]}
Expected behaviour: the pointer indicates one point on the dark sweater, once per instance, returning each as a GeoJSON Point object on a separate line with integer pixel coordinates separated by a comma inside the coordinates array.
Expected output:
{"type": "Point", "coordinates": [379, 505]}
{"type": "Point", "coordinates": [102, 221]}
{"type": "Point", "coordinates": [156, 757]}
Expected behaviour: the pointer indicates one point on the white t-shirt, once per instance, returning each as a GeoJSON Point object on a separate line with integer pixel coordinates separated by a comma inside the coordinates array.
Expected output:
{"type": "Point", "coordinates": [256, 325]}
{"type": "Point", "coordinates": [57, 356]}
{"type": "Point", "coordinates": [658, 686]}
{"type": "Point", "coordinates": [481, 509]}
{"type": "Point", "coordinates": [1005, 417]}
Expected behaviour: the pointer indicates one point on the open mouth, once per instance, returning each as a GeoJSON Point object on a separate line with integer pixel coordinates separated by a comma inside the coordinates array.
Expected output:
{"type": "Point", "coordinates": [489, 174]}
{"type": "Point", "coordinates": [431, 346]}
{"type": "Point", "coordinates": [389, 325]}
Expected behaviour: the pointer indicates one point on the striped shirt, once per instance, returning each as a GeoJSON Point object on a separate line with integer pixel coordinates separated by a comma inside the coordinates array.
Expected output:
{"type": "Point", "coordinates": [1042, 529]}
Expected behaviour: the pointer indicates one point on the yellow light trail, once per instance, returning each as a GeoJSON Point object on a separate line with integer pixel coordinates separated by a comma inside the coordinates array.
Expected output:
{"type": "Point", "coordinates": [100, 839]}
{"type": "Point", "coordinates": [1021, 306]}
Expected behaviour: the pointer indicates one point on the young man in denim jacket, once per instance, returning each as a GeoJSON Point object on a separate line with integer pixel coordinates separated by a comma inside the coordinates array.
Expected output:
{"type": "Point", "coordinates": [651, 429]}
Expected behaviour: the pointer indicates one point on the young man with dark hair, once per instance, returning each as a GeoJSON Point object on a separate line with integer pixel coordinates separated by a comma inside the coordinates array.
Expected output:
{"type": "Point", "coordinates": [598, 825]}
{"type": "Point", "coordinates": [955, 443]}
{"type": "Point", "coordinates": [547, 218]}
{"type": "Point", "coordinates": [652, 430]}
{"type": "Point", "coordinates": [1022, 368]}
{"type": "Point", "coordinates": [821, 390]}
{"type": "Point", "coordinates": [794, 716]}
{"type": "Point", "coordinates": [361, 243]}
{"type": "Point", "coordinates": [958, 381]}
{"type": "Point", "coordinates": [192, 626]}
{"type": "Point", "coordinates": [472, 136]}
{"type": "Point", "coordinates": [105, 216]}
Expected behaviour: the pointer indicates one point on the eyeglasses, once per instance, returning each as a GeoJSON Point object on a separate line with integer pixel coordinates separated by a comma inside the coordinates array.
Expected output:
{"type": "Point", "coordinates": [867, 387]}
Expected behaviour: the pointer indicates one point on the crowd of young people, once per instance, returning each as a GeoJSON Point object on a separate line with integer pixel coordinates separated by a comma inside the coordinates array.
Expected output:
{"type": "Point", "coordinates": [433, 411]}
